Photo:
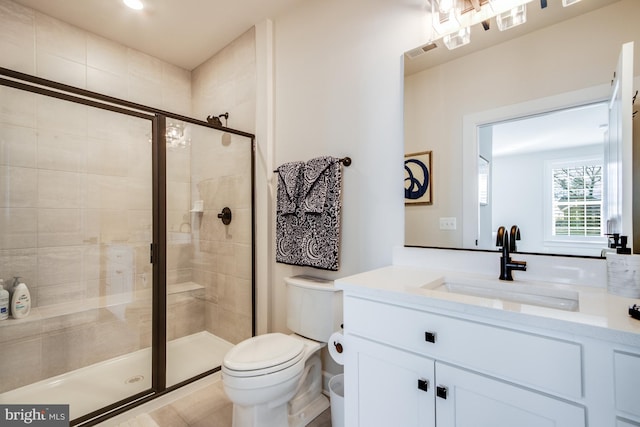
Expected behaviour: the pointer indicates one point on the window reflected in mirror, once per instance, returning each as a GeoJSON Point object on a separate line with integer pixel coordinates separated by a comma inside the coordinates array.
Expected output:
{"type": "Point", "coordinates": [545, 173]}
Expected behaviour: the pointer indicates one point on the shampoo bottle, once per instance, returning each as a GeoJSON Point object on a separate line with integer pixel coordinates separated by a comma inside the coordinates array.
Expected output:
{"type": "Point", "coordinates": [20, 300]}
{"type": "Point", "coordinates": [4, 301]}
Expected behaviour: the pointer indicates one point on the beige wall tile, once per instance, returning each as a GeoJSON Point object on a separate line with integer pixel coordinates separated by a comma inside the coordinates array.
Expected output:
{"type": "Point", "coordinates": [17, 146]}
{"type": "Point", "coordinates": [106, 192]}
{"type": "Point", "coordinates": [178, 196]}
{"type": "Point", "coordinates": [113, 339]}
{"type": "Point", "coordinates": [68, 321]}
{"type": "Point", "coordinates": [179, 256]}
{"type": "Point", "coordinates": [18, 108]}
{"type": "Point", "coordinates": [20, 187]}
{"type": "Point", "coordinates": [107, 55]}
{"type": "Point", "coordinates": [138, 195]}
{"type": "Point", "coordinates": [19, 262]}
{"type": "Point", "coordinates": [115, 127]}
{"type": "Point", "coordinates": [57, 189]}
{"type": "Point", "coordinates": [140, 226]}
{"type": "Point", "coordinates": [67, 349]}
{"type": "Point", "coordinates": [144, 91]}
{"type": "Point", "coordinates": [59, 69]}
{"type": "Point", "coordinates": [59, 265]}
{"type": "Point", "coordinates": [17, 37]}
{"type": "Point", "coordinates": [61, 151]}
{"type": "Point", "coordinates": [59, 294]}
{"type": "Point", "coordinates": [14, 359]}
{"type": "Point", "coordinates": [59, 227]}
{"type": "Point", "coordinates": [18, 228]}
{"type": "Point", "coordinates": [185, 315]}
{"type": "Point", "coordinates": [113, 226]}
{"type": "Point", "coordinates": [63, 116]}
{"type": "Point", "coordinates": [144, 66]}
{"type": "Point", "coordinates": [104, 157]}
{"type": "Point", "coordinates": [60, 38]}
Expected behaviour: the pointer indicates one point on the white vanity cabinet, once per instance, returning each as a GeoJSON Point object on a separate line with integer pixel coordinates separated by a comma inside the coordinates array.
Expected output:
{"type": "Point", "coordinates": [408, 367]}
{"type": "Point", "coordinates": [392, 387]}
{"type": "Point", "coordinates": [627, 383]}
{"type": "Point", "coordinates": [468, 399]}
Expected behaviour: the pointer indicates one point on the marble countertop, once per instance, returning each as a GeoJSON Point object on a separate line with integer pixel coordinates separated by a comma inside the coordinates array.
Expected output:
{"type": "Point", "coordinates": [599, 315]}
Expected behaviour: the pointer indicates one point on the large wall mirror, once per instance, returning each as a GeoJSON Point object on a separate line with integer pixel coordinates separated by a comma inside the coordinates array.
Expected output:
{"type": "Point", "coordinates": [506, 118]}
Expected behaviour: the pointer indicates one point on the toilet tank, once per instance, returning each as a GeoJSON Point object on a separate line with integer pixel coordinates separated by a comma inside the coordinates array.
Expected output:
{"type": "Point", "coordinates": [314, 307]}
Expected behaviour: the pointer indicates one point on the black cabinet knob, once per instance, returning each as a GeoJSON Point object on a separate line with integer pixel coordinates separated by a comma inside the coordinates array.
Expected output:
{"type": "Point", "coordinates": [441, 392]}
{"type": "Point", "coordinates": [430, 336]}
{"type": "Point", "coordinates": [423, 384]}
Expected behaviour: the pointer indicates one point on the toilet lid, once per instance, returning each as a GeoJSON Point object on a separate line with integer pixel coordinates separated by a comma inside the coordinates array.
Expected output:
{"type": "Point", "coordinates": [264, 351]}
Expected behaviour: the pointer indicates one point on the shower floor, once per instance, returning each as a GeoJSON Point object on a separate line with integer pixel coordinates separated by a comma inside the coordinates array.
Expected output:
{"type": "Point", "coordinates": [95, 386]}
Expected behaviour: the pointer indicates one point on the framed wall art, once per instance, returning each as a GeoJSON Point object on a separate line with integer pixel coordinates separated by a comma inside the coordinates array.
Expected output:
{"type": "Point", "coordinates": [418, 178]}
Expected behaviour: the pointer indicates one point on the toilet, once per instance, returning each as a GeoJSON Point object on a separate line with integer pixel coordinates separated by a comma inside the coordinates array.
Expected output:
{"type": "Point", "coordinates": [275, 380]}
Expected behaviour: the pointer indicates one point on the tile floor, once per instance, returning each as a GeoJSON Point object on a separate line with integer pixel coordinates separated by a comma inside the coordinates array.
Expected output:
{"type": "Point", "coordinates": [207, 406]}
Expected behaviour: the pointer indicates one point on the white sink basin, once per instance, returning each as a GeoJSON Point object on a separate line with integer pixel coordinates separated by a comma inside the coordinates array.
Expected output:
{"type": "Point", "coordinates": [544, 295]}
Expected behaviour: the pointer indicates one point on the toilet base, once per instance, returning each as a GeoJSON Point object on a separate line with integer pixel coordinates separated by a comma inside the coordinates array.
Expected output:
{"type": "Point", "coordinates": [309, 412]}
{"type": "Point", "coordinates": [260, 415]}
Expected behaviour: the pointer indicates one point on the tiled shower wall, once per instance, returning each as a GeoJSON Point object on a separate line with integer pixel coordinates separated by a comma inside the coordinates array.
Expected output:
{"type": "Point", "coordinates": [221, 174]}
{"type": "Point", "coordinates": [36, 44]}
{"type": "Point", "coordinates": [80, 193]}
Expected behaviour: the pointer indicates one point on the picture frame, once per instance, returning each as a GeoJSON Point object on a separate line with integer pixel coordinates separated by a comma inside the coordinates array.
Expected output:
{"type": "Point", "coordinates": [418, 178]}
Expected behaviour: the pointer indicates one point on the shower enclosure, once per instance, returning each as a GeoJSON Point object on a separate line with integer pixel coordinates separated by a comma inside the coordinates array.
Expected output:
{"type": "Point", "coordinates": [111, 213]}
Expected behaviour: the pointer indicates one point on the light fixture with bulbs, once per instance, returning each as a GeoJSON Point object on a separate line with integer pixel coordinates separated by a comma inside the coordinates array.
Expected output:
{"type": "Point", "coordinates": [177, 136]}
{"type": "Point", "coordinates": [134, 4]}
{"type": "Point", "coordinates": [452, 19]}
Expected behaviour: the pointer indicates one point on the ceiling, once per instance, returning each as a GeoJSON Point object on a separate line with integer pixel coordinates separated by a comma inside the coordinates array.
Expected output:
{"type": "Point", "coordinates": [562, 129]}
{"type": "Point", "coordinates": [188, 32]}
{"type": "Point", "coordinates": [182, 32]}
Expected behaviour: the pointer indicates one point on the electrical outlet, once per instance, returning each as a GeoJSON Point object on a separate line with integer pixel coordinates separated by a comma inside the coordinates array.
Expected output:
{"type": "Point", "coordinates": [448, 223]}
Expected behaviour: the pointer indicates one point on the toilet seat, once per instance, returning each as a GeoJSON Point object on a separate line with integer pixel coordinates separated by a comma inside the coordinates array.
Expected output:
{"type": "Point", "coordinates": [263, 355]}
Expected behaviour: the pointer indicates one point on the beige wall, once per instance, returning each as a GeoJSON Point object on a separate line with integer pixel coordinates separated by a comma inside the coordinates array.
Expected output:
{"type": "Point", "coordinates": [577, 54]}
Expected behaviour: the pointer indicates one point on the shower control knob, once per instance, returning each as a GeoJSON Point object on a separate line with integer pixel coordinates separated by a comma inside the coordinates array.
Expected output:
{"type": "Point", "coordinates": [225, 216]}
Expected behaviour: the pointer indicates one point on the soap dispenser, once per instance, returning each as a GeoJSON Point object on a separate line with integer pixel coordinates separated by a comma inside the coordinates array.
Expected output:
{"type": "Point", "coordinates": [20, 300]}
{"type": "Point", "coordinates": [4, 301]}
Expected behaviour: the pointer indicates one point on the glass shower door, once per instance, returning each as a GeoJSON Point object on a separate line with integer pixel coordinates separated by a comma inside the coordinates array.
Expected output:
{"type": "Point", "coordinates": [76, 220]}
{"type": "Point", "coordinates": [209, 247]}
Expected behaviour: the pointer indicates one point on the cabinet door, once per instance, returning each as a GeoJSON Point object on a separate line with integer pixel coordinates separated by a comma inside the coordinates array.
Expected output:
{"type": "Point", "coordinates": [466, 399]}
{"type": "Point", "coordinates": [386, 387]}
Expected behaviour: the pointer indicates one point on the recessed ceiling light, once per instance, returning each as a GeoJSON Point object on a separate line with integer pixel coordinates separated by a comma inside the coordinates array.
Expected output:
{"type": "Point", "coordinates": [134, 4]}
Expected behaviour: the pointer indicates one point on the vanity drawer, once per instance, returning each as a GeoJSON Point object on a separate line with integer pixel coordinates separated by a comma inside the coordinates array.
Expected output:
{"type": "Point", "coordinates": [627, 377]}
{"type": "Point", "coordinates": [532, 360]}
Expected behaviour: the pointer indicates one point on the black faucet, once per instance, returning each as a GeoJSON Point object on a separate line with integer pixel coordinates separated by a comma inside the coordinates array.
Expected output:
{"type": "Point", "coordinates": [506, 264]}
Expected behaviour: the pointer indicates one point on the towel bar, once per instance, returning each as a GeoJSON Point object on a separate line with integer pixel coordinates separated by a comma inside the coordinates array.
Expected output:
{"type": "Point", "coordinates": [346, 161]}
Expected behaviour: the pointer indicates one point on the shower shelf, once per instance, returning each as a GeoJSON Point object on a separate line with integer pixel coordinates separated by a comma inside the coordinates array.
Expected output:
{"type": "Point", "coordinates": [183, 287]}
{"type": "Point", "coordinates": [79, 306]}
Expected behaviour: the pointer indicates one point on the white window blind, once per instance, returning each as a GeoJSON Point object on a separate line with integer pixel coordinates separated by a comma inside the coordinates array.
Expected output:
{"type": "Point", "coordinates": [577, 200]}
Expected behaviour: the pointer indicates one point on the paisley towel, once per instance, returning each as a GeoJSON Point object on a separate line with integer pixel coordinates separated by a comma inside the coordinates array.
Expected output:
{"type": "Point", "coordinates": [288, 177]}
{"type": "Point", "coordinates": [311, 236]}
{"type": "Point", "coordinates": [314, 185]}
